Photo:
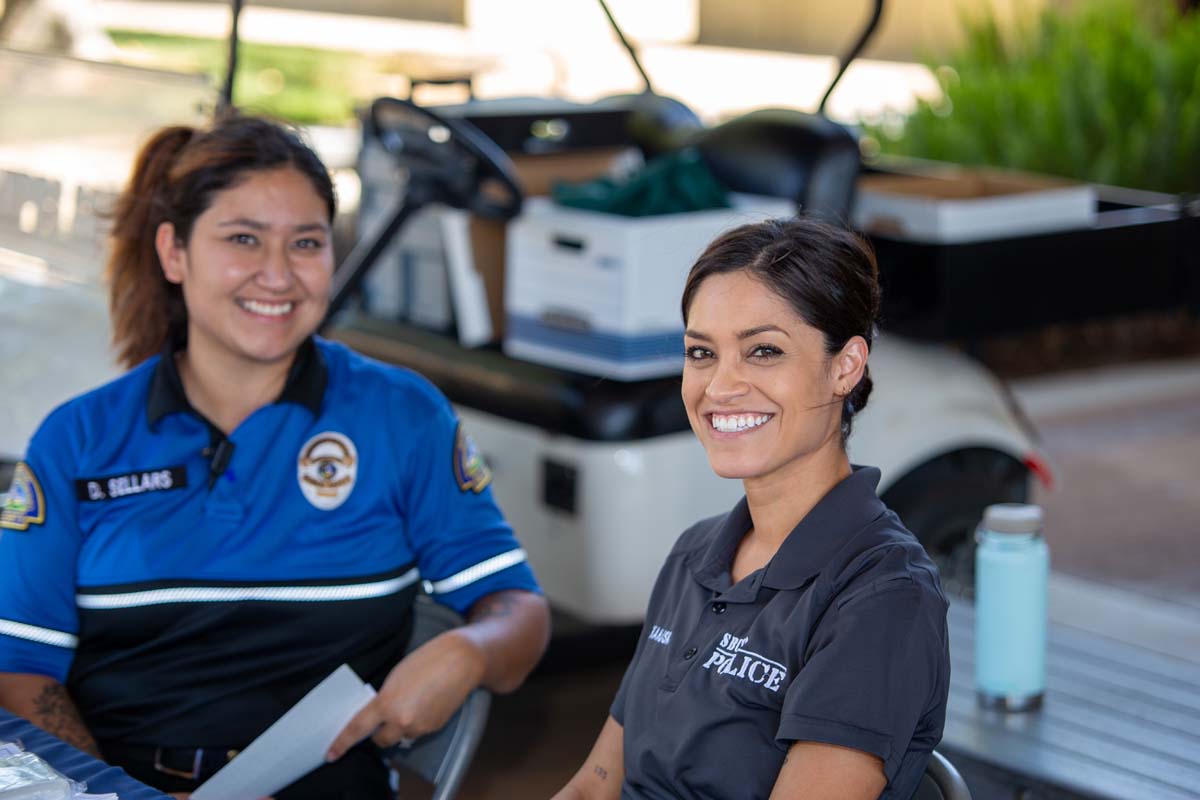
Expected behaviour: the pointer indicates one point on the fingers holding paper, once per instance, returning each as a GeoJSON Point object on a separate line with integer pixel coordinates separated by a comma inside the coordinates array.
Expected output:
{"type": "Point", "coordinates": [420, 694]}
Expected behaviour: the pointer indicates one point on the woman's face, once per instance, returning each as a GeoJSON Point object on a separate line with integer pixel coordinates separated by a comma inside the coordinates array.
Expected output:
{"type": "Point", "coordinates": [760, 392]}
{"type": "Point", "coordinates": [256, 272]}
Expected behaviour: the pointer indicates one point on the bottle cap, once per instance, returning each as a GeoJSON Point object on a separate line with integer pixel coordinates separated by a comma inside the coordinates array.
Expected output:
{"type": "Point", "coordinates": [1013, 518]}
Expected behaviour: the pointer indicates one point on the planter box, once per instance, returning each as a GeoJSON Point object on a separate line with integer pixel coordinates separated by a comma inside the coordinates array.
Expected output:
{"type": "Point", "coordinates": [953, 205]}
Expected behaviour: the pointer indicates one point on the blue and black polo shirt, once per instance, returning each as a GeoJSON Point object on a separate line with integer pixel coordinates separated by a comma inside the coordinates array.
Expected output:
{"type": "Point", "coordinates": [190, 587]}
{"type": "Point", "coordinates": [840, 639]}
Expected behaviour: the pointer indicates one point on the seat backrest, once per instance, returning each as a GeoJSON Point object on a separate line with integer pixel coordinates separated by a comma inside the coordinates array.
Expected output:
{"type": "Point", "coordinates": [442, 758]}
{"type": "Point", "coordinates": [941, 781]}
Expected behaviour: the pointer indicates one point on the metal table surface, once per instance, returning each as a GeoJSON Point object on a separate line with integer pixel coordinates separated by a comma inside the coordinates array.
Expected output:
{"type": "Point", "coordinates": [1119, 722]}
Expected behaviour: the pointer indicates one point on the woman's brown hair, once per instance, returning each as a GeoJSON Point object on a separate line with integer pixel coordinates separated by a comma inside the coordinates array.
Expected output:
{"type": "Point", "coordinates": [175, 177]}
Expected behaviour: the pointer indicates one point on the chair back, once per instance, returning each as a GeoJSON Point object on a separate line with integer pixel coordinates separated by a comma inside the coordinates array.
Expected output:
{"type": "Point", "coordinates": [941, 781]}
{"type": "Point", "coordinates": [442, 757]}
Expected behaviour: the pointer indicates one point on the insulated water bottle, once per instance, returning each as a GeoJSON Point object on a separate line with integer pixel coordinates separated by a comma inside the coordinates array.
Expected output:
{"type": "Point", "coordinates": [1012, 568]}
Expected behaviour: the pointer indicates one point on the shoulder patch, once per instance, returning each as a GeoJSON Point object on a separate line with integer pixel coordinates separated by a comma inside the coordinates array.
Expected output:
{"type": "Point", "coordinates": [24, 504]}
{"type": "Point", "coordinates": [470, 470]}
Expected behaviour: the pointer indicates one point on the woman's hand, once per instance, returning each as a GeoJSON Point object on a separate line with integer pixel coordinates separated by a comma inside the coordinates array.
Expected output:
{"type": "Point", "coordinates": [420, 694]}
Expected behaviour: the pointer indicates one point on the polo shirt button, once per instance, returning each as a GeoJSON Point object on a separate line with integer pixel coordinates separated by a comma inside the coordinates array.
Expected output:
{"type": "Point", "coordinates": [690, 654]}
{"type": "Point", "coordinates": [718, 608]}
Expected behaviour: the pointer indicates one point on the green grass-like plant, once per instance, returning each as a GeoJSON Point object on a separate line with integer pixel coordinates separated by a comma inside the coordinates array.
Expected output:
{"type": "Point", "coordinates": [1108, 92]}
{"type": "Point", "coordinates": [306, 85]}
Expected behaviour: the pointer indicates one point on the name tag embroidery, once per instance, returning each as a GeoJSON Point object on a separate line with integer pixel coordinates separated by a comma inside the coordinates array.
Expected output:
{"type": "Point", "coordinates": [660, 635]}
{"type": "Point", "coordinates": [732, 658]}
{"type": "Point", "coordinates": [114, 487]}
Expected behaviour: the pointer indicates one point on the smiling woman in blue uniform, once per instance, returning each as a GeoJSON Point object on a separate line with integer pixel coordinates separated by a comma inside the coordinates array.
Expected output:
{"type": "Point", "coordinates": [796, 646]}
{"type": "Point", "coordinates": [191, 548]}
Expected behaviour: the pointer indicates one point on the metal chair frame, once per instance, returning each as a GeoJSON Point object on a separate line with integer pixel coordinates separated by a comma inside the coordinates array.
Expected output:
{"type": "Point", "coordinates": [443, 757]}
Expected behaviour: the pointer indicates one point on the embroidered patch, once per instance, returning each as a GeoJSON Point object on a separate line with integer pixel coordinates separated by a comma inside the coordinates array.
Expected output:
{"type": "Point", "coordinates": [327, 469]}
{"type": "Point", "coordinates": [731, 658]}
{"type": "Point", "coordinates": [24, 504]}
{"type": "Point", "coordinates": [114, 487]}
{"type": "Point", "coordinates": [470, 470]}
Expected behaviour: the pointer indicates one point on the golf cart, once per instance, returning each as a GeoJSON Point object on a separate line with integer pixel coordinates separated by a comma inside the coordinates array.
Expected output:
{"type": "Point", "coordinates": [596, 466]}
{"type": "Point", "coordinates": [594, 461]}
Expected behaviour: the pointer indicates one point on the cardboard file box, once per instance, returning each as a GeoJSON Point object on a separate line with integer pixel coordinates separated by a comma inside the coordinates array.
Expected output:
{"type": "Point", "coordinates": [599, 293]}
{"type": "Point", "coordinates": [952, 205]}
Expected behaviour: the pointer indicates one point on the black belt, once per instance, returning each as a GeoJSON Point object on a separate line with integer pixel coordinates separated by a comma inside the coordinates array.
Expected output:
{"type": "Point", "coordinates": [358, 775]}
{"type": "Point", "coordinates": [190, 763]}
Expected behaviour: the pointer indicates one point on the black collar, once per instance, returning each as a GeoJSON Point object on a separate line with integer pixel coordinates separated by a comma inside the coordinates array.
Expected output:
{"type": "Point", "coordinates": [844, 510]}
{"type": "Point", "coordinates": [305, 383]}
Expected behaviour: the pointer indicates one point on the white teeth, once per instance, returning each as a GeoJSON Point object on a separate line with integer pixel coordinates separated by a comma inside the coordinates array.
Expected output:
{"type": "Point", "coordinates": [733, 424]}
{"type": "Point", "coordinates": [266, 309]}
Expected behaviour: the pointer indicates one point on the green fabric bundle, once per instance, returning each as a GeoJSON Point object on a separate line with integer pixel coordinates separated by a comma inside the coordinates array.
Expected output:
{"type": "Point", "coordinates": [670, 184]}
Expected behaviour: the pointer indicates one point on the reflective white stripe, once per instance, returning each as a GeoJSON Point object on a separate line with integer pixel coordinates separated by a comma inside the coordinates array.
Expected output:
{"type": "Point", "coordinates": [233, 594]}
{"type": "Point", "coordinates": [40, 635]}
{"type": "Point", "coordinates": [478, 572]}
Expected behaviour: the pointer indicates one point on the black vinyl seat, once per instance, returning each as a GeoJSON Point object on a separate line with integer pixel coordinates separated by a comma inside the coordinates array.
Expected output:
{"type": "Point", "coordinates": [942, 781]}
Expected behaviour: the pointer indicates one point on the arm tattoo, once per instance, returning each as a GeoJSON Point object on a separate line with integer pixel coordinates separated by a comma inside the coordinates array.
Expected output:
{"type": "Point", "coordinates": [500, 604]}
{"type": "Point", "coordinates": [602, 772]}
{"type": "Point", "coordinates": [57, 715]}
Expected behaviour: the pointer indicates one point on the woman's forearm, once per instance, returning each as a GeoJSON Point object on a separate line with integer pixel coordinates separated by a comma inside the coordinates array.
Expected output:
{"type": "Point", "coordinates": [511, 630]}
{"type": "Point", "coordinates": [602, 773]}
{"type": "Point", "coordinates": [45, 702]}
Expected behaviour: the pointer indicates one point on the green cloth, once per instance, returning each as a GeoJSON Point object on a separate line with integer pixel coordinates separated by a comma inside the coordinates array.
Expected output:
{"type": "Point", "coordinates": [670, 184]}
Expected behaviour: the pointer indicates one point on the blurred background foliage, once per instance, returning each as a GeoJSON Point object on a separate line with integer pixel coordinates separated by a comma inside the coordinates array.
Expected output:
{"type": "Point", "coordinates": [307, 85]}
{"type": "Point", "coordinates": [1107, 91]}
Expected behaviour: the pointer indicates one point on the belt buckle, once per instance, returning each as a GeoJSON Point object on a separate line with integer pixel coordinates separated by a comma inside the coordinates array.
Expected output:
{"type": "Point", "coordinates": [178, 773]}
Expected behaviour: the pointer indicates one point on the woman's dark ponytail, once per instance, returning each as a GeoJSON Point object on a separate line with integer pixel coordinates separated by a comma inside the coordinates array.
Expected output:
{"type": "Point", "coordinates": [856, 401]}
{"type": "Point", "coordinates": [143, 303]}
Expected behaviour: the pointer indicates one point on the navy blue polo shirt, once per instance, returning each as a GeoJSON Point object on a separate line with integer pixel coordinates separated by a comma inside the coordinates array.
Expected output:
{"type": "Point", "coordinates": [189, 588]}
{"type": "Point", "coordinates": [840, 639]}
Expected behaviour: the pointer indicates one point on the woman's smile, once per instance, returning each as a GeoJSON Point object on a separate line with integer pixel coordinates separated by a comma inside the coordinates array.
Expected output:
{"type": "Point", "coordinates": [732, 424]}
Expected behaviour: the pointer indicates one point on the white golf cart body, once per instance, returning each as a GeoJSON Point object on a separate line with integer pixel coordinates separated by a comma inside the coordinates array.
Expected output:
{"type": "Point", "coordinates": [633, 498]}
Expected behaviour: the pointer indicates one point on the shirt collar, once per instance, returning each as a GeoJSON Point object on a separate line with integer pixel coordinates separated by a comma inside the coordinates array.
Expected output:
{"type": "Point", "coordinates": [305, 384]}
{"type": "Point", "coordinates": [845, 509]}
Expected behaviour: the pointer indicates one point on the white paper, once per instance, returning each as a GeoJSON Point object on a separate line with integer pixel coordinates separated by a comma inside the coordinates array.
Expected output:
{"type": "Point", "coordinates": [467, 290]}
{"type": "Point", "coordinates": [295, 745]}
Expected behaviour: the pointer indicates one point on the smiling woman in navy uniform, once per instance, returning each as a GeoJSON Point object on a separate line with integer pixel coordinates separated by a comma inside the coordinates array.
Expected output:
{"type": "Point", "coordinates": [796, 646]}
{"type": "Point", "coordinates": [191, 548]}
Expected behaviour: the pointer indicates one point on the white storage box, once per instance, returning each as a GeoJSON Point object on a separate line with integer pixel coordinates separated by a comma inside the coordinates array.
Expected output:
{"type": "Point", "coordinates": [953, 205]}
{"type": "Point", "coordinates": [599, 293]}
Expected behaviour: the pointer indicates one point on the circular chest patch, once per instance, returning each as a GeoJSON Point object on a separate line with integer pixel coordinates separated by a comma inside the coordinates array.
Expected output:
{"type": "Point", "coordinates": [327, 469]}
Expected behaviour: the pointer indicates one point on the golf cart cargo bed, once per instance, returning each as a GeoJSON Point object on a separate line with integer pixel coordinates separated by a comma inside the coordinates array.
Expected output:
{"type": "Point", "coordinates": [1133, 258]}
{"type": "Point", "coordinates": [559, 401]}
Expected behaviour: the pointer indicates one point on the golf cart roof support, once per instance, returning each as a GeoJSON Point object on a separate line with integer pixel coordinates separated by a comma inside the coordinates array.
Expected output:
{"type": "Point", "coordinates": [226, 101]}
{"type": "Point", "coordinates": [863, 38]}
{"type": "Point", "coordinates": [633, 56]}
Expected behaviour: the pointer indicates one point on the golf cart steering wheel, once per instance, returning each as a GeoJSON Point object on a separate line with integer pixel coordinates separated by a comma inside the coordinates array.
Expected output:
{"type": "Point", "coordinates": [450, 159]}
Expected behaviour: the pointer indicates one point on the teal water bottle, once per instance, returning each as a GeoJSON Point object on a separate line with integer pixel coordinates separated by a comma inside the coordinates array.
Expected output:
{"type": "Point", "coordinates": [1012, 570]}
